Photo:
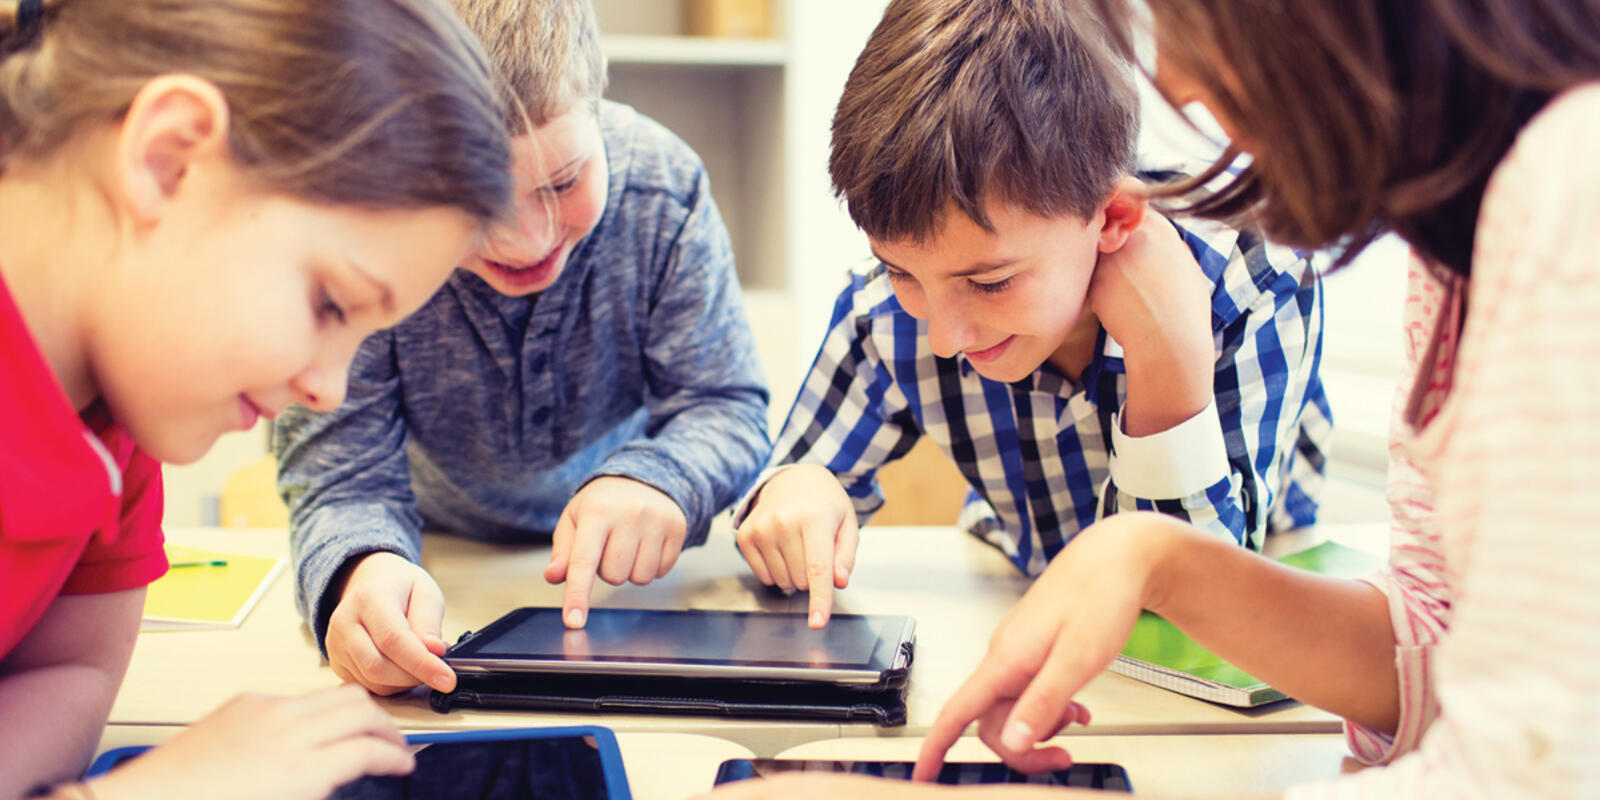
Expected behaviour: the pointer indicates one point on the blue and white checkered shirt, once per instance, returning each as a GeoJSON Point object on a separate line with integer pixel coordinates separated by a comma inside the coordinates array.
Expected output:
{"type": "Point", "coordinates": [1046, 455]}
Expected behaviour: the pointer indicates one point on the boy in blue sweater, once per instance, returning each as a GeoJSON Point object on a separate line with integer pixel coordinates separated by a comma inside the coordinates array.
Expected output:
{"type": "Point", "coordinates": [588, 376]}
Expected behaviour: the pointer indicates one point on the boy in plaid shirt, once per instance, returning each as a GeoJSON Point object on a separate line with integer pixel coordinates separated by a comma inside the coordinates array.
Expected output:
{"type": "Point", "coordinates": [1074, 352]}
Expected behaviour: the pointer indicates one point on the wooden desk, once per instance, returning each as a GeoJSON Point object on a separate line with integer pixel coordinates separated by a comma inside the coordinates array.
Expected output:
{"type": "Point", "coordinates": [956, 587]}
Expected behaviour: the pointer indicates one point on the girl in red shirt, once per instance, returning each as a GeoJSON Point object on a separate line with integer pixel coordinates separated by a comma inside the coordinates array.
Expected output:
{"type": "Point", "coordinates": [205, 206]}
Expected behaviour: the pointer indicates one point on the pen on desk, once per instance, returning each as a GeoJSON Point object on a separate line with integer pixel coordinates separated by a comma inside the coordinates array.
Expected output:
{"type": "Point", "coordinates": [214, 563]}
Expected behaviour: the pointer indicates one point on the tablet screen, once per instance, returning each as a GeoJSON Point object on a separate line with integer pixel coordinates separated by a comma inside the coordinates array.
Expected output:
{"type": "Point", "coordinates": [476, 766]}
{"type": "Point", "coordinates": [694, 637]}
{"type": "Point", "coordinates": [1092, 776]}
{"type": "Point", "coordinates": [566, 768]}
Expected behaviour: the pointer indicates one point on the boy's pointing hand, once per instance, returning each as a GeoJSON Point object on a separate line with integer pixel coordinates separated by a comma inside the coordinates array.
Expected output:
{"type": "Point", "coordinates": [801, 534]}
{"type": "Point", "coordinates": [619, 529]}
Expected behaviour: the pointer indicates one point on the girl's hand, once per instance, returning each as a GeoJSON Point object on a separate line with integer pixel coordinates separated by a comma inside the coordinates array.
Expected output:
{"type": "Point", "coordinates": [1063, 632]}
{"type": "Point", "coordinates": [273, 748]}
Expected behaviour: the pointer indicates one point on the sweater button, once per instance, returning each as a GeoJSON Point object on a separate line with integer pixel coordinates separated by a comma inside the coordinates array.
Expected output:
{"type": "Point", "coordinates": [541, 416]}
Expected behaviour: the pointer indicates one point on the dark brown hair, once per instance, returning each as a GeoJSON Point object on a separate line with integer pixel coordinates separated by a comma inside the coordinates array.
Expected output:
{"type": "Point", "coordinates": [1371, 115]}
{"type": "Point", "coordinates": [379, 103]}
{"type": "Point", "coordinates": [968, 101]}
{"type": "Point", "coordinates": [547, 54]}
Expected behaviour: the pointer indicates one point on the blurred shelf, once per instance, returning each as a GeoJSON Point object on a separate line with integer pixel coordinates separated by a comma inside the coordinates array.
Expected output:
{"type": "Point", "coordinates": [695, 51]}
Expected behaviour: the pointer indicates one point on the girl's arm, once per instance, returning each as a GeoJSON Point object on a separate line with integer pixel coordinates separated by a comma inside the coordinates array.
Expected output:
{"type": "Point", "coordinates": [1325, 641]}
{"type": "Point", "coordinates": [57, 686]}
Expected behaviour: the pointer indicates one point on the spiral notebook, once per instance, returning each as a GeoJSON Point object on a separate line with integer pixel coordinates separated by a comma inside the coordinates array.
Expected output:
{"type": "Point", "coordinates": [1160, 654]}
{"type": "Point", "coordinates": [207, 589]}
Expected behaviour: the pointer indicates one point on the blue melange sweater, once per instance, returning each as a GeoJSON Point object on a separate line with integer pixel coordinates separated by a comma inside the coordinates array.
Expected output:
{"type": "Point", "coordinates": [482, 414]}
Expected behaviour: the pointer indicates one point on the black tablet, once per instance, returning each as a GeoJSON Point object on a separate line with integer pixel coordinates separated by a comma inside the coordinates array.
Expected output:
{"type": "Point", "coordinates": [571, 763]}
{"type": "Point", "coordinates": [746, 645]}
{"type": "Point", "coordinates": [1109, 777]}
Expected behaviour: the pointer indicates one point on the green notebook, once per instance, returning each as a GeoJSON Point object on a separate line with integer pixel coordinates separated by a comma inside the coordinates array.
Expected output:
{"type": "Point", "coordinates": [1160, 654]}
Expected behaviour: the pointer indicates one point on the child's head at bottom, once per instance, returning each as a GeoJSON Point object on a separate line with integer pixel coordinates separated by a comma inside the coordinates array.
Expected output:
{"type": "Point", "coordinates": [986, 149]}
{"type": "Point", "coordinates": [212, 202]}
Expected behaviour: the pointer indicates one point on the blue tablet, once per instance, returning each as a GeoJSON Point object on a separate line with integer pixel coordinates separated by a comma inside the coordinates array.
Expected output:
{"type": "Point", "coordinates": [570, 763]}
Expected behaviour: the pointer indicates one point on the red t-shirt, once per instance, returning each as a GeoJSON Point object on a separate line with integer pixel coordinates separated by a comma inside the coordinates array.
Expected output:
{"type": "Point", "coordinates": [80, 504]}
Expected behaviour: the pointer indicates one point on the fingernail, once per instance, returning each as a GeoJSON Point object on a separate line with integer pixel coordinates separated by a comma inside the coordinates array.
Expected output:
{"type": "Point", "coordinates": [575, 618]}
{"type": "Point", "coordinates": [816, 619]}
{"type": "Point", "coordinates": [1018, 736]}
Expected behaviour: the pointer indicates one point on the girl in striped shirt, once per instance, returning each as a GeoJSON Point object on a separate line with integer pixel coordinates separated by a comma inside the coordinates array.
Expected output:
{"type": "Point", "coordinates": [1469, 664]}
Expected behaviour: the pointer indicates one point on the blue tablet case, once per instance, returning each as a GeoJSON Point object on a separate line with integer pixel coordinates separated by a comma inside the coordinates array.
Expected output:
{"type": "Point", "coordinates": [615, 777]}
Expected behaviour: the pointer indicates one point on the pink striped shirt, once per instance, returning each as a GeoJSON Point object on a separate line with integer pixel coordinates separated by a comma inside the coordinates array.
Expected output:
{"type": "Point", "coordinates": [1494, 574]}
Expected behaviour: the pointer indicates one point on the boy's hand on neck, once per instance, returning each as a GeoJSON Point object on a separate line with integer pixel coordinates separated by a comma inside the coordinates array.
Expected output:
{"type": "Point", "coordinates": [1153, 299]}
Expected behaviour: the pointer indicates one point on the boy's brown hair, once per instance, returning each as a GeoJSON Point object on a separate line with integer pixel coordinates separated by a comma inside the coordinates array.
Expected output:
{"type": "Point", "coordinates": [547, 53]}
{"type": "Point", "coordinates": [974, 101]}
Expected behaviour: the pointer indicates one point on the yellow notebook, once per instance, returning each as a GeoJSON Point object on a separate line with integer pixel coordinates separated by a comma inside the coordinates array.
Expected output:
{"type": "Point", "coordinates": [206, 589]}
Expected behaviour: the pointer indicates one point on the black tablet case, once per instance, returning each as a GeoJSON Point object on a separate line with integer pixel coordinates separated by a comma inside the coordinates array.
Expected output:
{"type": "Point", "coordinates": [883, 703]}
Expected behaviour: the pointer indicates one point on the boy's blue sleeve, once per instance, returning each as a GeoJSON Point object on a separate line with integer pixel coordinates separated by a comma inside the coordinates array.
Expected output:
{"type": "Point", "coordinates": [706, 436]}
{"type": "Point", "coordinates": [345, 478]}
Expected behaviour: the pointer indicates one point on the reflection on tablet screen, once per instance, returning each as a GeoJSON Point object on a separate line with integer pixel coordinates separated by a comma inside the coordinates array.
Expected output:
{"type": "Point", "coordinates": [640, 634]}
{"type": "Point", "coordinates": [566, 768]}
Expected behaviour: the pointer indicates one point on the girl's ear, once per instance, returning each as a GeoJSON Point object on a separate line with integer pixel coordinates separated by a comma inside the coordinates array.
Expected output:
{"type": "Point", "coordinates": [174, 123]}
{"type": "Point", "coordinates": [1123, 213]}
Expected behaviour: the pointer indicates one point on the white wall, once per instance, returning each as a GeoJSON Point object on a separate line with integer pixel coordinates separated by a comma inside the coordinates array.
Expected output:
{"type": "Point", "coordinates": [826, 37]}
{"type": "Point", "coordinates": [192, 491]}
{"type": "Point", "coordinates": [1361, 366]}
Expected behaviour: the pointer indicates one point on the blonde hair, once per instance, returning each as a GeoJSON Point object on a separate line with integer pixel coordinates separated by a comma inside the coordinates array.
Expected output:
{"type": "Point", "coordinates": [381, 103]}
{"type": "Point", "coordinates": [547, 54]}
